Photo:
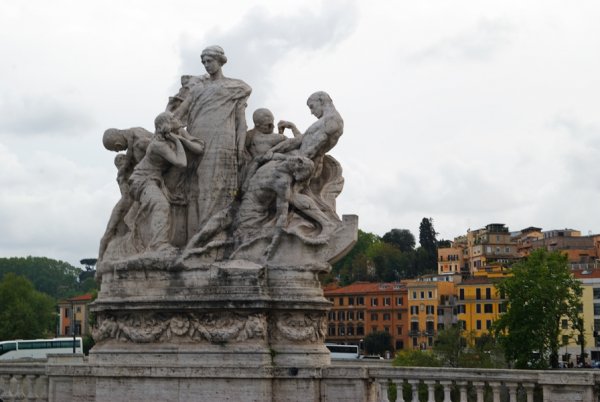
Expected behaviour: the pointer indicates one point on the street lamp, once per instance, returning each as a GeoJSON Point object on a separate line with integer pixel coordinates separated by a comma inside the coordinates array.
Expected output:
{"type": "Point", "coordinates": [73, 324]}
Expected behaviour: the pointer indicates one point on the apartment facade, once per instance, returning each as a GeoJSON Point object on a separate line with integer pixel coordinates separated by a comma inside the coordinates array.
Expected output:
{"type": "Point", "coordinates": [74, 316]}
{"type": "Point", "coordinates": [363, 308]}
{"type": "Point", "coordinates": [430, 308]}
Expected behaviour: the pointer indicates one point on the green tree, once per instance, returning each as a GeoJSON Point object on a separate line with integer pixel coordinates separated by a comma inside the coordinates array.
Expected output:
{"type": "Point", "coordinates": [540, 293]}
{"type": "Point", "coordinates": [386, 260]}
{"type": "Point", "coordinates": [449, 346]}
{"type": "Point", "coordinates": [55, 278]}
{"type": "Point", "coordinates": [402, 239]}
{"type": "Point", "coordinates": [427, 253]}
{"type": "Point", "coordinates": [416, 358]}
{"type": "Point", "coordinates": [25, 313]}
{"type": "Point", "coordinates": [377, 343]}
{"type": "Point", "coordinates": [355, 265]}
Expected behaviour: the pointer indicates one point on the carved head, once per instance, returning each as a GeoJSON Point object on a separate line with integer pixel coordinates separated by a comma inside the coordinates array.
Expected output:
{"type": "Point", "coordinates": [263, 120]}
{"type": "Point", "coordinates": [114, 140]}
{"type": "Point", "coordinates": [317, 103]}
{"type": "Point", "coordinates": [301, 167]}
{"type": "Point", "coordinates": [165, 123]}
{"type": "Point", "coordinates": [213, 58]}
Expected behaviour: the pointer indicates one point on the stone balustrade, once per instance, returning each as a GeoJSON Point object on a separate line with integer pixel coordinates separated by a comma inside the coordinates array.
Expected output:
{"type": "Point", "coordinates": [23, 382]}
{"type": "Point", "coordinates": [31, 381]}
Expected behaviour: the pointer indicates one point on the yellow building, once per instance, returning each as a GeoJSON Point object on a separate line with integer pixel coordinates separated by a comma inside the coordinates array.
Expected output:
{"type": "Point", "coordinates": [430, 304]}
{"type": "Point", "coordinates": [479, 303]}
{"type": "Point", "coordinates": [590, 284]}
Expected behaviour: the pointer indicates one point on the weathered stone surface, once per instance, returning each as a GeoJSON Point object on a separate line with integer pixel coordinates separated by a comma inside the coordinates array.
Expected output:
{"type": "Point", "coordinates": [210, 262]}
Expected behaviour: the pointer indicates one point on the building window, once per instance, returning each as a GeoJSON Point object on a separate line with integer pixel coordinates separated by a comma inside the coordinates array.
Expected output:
{"type": "Point", "coordinates": [387, 301]}
{"type": "Point", "coordinates": [350, 315]}
{"type": "Point", "coordinates": [414, 296]}
{"type": "Point", "coordinates": [478, 324]}
{"type": "Point", "coordinates": [502, 307]}
{"type": "Point", "coordinates": [564, 324]}
{"type": "Point", "coordinates": [341, 301]}
{"type": "Point", "coordinates": [430, 294]}
{"type": "Point", "coordinates": [78, 309]}
{"type": "Point", "coordinates": [360, 315]}
{"type": "Point", "coordinates": [351, 301]}
{"type": "Point", "coordinates": [478, 308]}
{"type": "Point", "coordinates": [596, 308]}
{"type": "Point", "coordinates": [422, 295]}
{"type": "Point", "coordinates": [429, 309]}
{"type": "Point", "coordinates": [373, 329]}
{"type": "Point", "coordinates": [488, 324]}
{"type": "Point", "coordinates": [398, 330]}
{"type": "Point", "coordinates": [342, 330]}
{"type": "Point", "coordinates": [478, 294]}
{"type": "Point", "coordinates": [429, 327]}
{"type": "Point", "coordinates": [341, 316]}
{"type": "Point", "coordinates": [331, 316]}
{"type": "Point", "coordinates": [414, 326]}
{"type": "Point", "coordinates": [415, 342]}
{"type": "Point", "coordinates": [360, 330]}
{"type": "Point", "coordinates": [350, 330]}
{"type": "Point", "coordinates": [440, 311]}
{"type": "Point", "coordinates": [399, 301]}
{"type": "Point", "coordinates": [488, 293]}
{"type": "Point", "coordinates": [399, 316]}
{"type": "Point", "coordinates": [374, 301]}
{"type": "Point", "coordinates": [461, 294]}
{"type": "Point", "coordinates": [386, 317]}
{"type": "Point", "coordinates": [67, 312]}
{"type": "Point", "coordinates": [386, 329]}
{"type": "Point", "coordinates": [374, 317]}
{"type": "Point", "coordinates": [596, 293]}
{"type": "Point", "coordinates": [360, 301]}
{"type": "Point", "coordinates": [331, 331]}
{"type": "Point", "coordinates": [488, 308]}
{"type": "Point", "coordinates": [414, 310]}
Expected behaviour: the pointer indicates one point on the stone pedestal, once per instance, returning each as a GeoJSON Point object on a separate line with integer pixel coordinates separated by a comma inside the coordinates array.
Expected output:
{"type": "Point", "coordinates": [195, 330]}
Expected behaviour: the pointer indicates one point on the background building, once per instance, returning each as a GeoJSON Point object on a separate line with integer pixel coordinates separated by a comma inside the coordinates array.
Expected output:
{"type": "Point", "coordinates": [78, 305]}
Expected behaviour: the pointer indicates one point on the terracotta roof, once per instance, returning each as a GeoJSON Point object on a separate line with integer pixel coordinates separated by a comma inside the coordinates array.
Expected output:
{"type": "Point", "coordinates": [365, 287]}
{"type": "Point", "coordinates": [85, 297]}
{"type": "Point", "coordinates": [594, 273]}
{"type": "Point", "coordinates": [477, 281]}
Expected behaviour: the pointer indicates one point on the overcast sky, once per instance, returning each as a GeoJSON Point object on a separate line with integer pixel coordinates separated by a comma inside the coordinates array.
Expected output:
{"type": "Point", "coordinates": [468, 112]}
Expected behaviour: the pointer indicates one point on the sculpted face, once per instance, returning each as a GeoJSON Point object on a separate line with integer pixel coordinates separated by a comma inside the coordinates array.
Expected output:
{"type": "Point", "coordinates": [316, 107]}
{"type": "Point", "coordinates": [114, 140]}
{"type": "Point", "coordinates": [264, 123]}
{"type": "Point", "coordinates": [211, 64]}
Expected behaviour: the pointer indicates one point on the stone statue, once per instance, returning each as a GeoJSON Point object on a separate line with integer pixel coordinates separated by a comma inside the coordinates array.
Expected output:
{"type": "Point", "coordinates": [212, 255]}
{"type": "Point", "coordinates": [153, 222]}
{"type": "Point", "coordinates": [213, 109]}
{"type": "Point", "coordinates": [134, 141]}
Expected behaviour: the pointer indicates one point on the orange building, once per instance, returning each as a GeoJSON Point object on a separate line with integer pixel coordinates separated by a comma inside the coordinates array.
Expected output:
{"type": "Point", "coordinates": [430, 308]}
{"type": "Point", "coordinates": [362, 308]}
{"type": "Point", "coordinates": [450, 260]}
{"type": "Point", "coordinates": [79, 306]}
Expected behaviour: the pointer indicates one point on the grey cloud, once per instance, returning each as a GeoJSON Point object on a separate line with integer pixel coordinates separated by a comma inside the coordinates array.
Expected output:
{"type": "Point", "coordinates": [261, 40]}
{"type": "Point", "coordinates": [478, 44]}
{"type": "Point", "coordinates": [39, 115]}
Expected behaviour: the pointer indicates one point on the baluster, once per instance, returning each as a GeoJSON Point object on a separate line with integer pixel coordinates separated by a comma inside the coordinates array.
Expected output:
{"type": "Point", "coordinates": [42, 389]}
{"type": "Point", "coordinates": [4, 385]}
{"type": "Point", "coordinates": [447, 390]}
{"type": "Point", "coordinates": [383, 391]}
{"type": "Point", "coordinates": [512, 391]}
{"type": "Point", "coordinates": [399, 387]}
{"type": "Point", "coordinates": [29, 387]}
{"type": "Point", "coordinates": [430, 390]}
{"type": "Point", "coordinates": [529, 391]}
{"type": "Point", "coordinates": [495, 390]}
{"type": "Point", "coordinates": [480, 389]}
{"type": "Point", "coordinates": [463, 390]}
{"type": "Point", "coordinates": [414, 384]}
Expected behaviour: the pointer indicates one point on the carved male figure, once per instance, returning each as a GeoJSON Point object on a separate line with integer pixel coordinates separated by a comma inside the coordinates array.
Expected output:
{"type": "Point", "coordinates": [153, 220]}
